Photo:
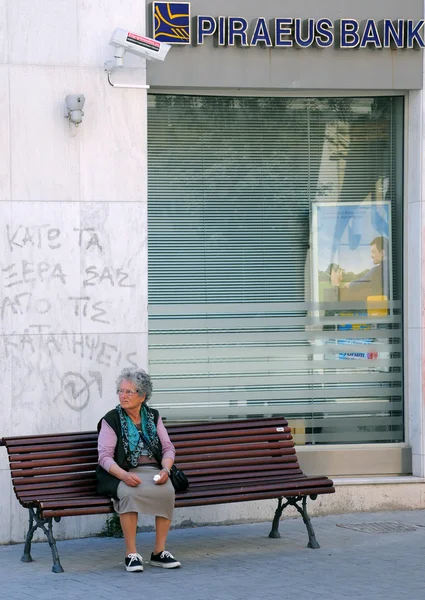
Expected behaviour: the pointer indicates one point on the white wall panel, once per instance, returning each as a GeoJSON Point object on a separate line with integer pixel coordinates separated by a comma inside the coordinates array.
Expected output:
{"type": "Point", "coordinates": [4, 50]}
{"type": "Point", "coordinates": [4, 128]}
{"type": "Point", "coordinates": [113, 266]}
{"type": "Point", "coordinates": [113, 142]}
{"type": "Point", "coordinates": [43, 32]}
{"type": "Point", "coordinates": [8, 503]}
{"type": "Point", "coordinates": [96, 22]}
{"type": "Point", "coordinates": [44, 156]}
{"type": "Point", "coordinates": [40, 270]}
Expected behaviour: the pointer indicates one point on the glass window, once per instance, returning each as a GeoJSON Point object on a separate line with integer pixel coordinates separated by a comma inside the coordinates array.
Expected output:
{"type": "Point", "coordinates": [275, 258]}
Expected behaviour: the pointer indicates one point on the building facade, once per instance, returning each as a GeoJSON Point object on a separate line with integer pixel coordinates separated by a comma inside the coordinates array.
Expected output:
{"type": "Point", "coordinates": [244, 220]}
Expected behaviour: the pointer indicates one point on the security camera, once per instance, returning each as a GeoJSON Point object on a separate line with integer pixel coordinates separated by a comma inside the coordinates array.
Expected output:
{"type": "Point", "coordinates": [74, 105]}
{"type": "Point", "coordinates": [140, 45]}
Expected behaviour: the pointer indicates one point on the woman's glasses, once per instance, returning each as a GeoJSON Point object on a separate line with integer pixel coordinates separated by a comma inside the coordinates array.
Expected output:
{"type": "Point", "coordinates": [125, 392]}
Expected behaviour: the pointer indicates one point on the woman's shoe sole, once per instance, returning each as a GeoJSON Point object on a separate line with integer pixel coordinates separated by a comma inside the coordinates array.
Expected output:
{"type": "Point", "coordinates": [165, 566]}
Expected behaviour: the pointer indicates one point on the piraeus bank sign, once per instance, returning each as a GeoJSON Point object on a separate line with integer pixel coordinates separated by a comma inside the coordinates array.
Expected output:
{"type": "Point", "coordinates": [172, 23]}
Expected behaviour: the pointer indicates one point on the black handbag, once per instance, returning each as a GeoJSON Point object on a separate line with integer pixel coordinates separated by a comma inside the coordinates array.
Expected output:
{"type": "Point", "coordinates": [178, 478]}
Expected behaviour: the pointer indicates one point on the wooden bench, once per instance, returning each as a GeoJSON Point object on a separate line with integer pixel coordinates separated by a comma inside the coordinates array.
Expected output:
{"type": "Point", "coordinates": [229, 461]}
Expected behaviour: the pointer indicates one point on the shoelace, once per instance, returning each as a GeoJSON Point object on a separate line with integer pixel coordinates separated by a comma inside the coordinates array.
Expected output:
{"type": "Point", "coordinates": [134, 557]}
{"type": "Point", "coordinates": [166, 554]}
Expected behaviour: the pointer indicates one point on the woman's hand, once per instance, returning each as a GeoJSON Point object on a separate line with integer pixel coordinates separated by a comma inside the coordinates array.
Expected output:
{"type": "Point", "coordinates": [131, 480]}
{"type": "Point", "coordinates": [163, 476]}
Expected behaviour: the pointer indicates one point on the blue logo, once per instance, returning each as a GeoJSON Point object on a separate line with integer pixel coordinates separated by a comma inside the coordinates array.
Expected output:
{"type": "Point", "coordinates": [171, 22]}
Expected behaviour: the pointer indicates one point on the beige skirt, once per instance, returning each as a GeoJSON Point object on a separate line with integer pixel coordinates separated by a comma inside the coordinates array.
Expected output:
{"type": "Point", "coordinates": [147, 498]}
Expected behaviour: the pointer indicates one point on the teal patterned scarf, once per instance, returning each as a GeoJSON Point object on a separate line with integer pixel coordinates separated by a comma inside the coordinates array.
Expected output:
{"type": "Point", "coordinates": [132, 438]}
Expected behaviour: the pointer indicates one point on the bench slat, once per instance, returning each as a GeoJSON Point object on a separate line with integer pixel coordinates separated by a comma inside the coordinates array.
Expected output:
{"type": "Point", "coordinates": [268, 433]}
{"type": "Point", "coordinates": [187, 429]}
{"type": "Point", "coordinates": [243, 478]}
{"type": "Point", "coordinates": [29, 465]}
{"type": "Point", "coordinates": [232, 439]}
{"type": "Point", "coordinates": [226, 447]}
{"type": "Point", "coordinates": [68, 502]}
{"type": "Point", "coordinates": [31, 485]}
{"type": "Point", "coordinates": [282, 464]}
{"type": "Point", "coordinates": [26, 440]}
{"type": "Point", "coordinates": [181, 501]}
{"type": "Point", "coordinates": [230, 474]}
{"type": "Point", "coordinates": [63, 489]}
{"type": "Point", "coordinates": [201, 462]}
{"type": "Point", "coordinates": [226, 456]}
{"type": "Point", "coordinates": [281, 486]}
{"type": "Point", "coordinates": [76, 512]}
{"type": "Point", "coordinates": [54, 470]}
{"type": "Point", "coordinates": [52, 447]}
{"type": "Point", "coordinates": [48, 453]}
{"type": "Point", "coordinates": [26, 481]}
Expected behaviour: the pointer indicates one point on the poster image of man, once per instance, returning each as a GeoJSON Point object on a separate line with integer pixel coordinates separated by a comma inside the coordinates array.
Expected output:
{"type": "Point", "coordinates": [351, 251]}
{"type": "Point", "coordinates": [371, 284]}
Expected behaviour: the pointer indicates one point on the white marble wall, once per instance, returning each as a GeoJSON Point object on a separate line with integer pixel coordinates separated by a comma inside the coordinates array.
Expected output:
{"type": "Point", "coordinates": [414, 277]}
{"type": "Point", "coordinates": [73, 253]}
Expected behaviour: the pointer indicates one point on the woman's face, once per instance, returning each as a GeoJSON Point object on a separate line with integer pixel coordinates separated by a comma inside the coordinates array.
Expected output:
{"type": "Point", "coordinates": [128, 397]}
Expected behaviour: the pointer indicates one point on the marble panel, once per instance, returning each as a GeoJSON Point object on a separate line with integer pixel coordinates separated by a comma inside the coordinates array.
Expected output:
{"type": "Point", "coordinates": [4, 461]}
{"type": "Point", "coordinates": [44, 155]}
{"type": "Point", "coordinates": [114, 267]}
{"type": "Point", "coordinates": [5, 404]}
{"type": "Point", "coordinates": [4, 130]}
{"type": "Point", "coordinates": [421, 278]}
{"type": "Point", "coordinates": [65, 382]}
{"type": "Point", "coordinates": [43, 32]}
{"type": "Point", "coordinates": [46, 373]}
{"type": "Point", "coordinates": [113, 149]}
{"type": "Point", "coordinates": [113, 353]}
{"type": "Point", "coordinates": [418, 464]}
{"type": "Point", "coordinates": [6, 501]}
{"type": "Point", "coordinates": [98, 21]}
{"type": "Point", "coordinates": [40, 269]}
{"type": "Point", "coordinates": [413, 263]}
{"type": "Point", "coordinates": [414, 154]}
{"type": "Point", "coordinates": [415, 414]}
{"type": "Point", "coordinates": [4, 48]}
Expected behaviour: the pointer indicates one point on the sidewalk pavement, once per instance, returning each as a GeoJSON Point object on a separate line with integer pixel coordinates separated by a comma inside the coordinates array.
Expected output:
{"type": "Point", "coordinates": [237, 562]}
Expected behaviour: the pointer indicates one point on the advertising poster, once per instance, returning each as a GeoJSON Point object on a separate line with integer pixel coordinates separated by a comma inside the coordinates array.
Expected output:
{"type": "Point", "coordinates": [351, 270]}
{"type": "Point", "coordinates": [351, 251]}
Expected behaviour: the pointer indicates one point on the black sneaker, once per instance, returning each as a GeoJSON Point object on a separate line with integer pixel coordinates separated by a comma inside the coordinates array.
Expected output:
{"type": "Point", "coordinates": [165, 560]}
{"type": "Point", "coordinates": [134, 562]}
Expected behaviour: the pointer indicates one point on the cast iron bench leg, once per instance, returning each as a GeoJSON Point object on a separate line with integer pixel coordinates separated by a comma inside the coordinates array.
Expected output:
{"type": "Point", "coordinates": [41, 523]}
{"type": "Point", "coordinates": [26, 557]}
{"type": "Point", "coordinates": [312, 542]}
{"type": "Point", "coordinates": [57, 567]}
{"type": "Point", "coordinates": [274, 533]}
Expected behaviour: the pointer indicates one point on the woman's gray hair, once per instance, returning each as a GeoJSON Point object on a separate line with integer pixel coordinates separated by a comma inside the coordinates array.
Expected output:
{"type": "Point", "coordinates": [139, 378]}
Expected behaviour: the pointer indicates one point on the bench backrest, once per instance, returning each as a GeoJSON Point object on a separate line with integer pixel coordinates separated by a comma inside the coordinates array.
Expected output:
{"type": "Point", "coordinates": [214, 451]}
{"type": "Point", "coordinates": [62, 464]}
{"type": "Point", "coordinates": [211, 453]}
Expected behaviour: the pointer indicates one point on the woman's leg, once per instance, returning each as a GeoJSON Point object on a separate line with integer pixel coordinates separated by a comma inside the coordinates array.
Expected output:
{"type": "Point", "coordinates": [162, 526]}
{"type": "Point", "coordinates": [129, 529]}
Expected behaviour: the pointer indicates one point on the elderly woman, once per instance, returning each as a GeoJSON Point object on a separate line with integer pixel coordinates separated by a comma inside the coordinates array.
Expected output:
{"type": "Point", "coordinates": [129, 436]}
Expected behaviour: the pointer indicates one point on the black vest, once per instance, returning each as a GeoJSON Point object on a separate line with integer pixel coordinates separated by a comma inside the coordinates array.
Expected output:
{"type": "Point", "coordinates": [107, 484]}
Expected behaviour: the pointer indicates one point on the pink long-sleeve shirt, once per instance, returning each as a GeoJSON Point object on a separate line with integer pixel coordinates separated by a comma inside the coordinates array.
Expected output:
{"type": "Point", "coordinates": [107, 441]}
